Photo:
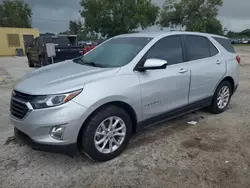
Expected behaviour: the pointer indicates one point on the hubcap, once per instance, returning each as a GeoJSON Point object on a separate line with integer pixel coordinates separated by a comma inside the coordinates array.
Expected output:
{"type": "Point", "coordinates": [110, 134]}
{"type": "Point", "coordinates": [223, 97]}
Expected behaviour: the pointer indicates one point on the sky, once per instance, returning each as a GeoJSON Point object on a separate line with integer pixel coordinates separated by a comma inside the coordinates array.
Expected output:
{"type": "Point", "coordinates": [54, 15]}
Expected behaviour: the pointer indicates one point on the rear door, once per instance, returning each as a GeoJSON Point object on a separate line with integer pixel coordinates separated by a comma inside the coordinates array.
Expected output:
{"type": "Point", "coordinates": [27, 40]}
{"type": "Point", "coordinates": [166, 89]}
{"type": "Point", "coordinates": [32, 50]}
{"type": "Point", "coordinates": [206, 64]}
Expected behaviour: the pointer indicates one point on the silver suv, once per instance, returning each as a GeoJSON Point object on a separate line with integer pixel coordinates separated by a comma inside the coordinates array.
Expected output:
{"type": "Point", "coordinates": [96, 102]}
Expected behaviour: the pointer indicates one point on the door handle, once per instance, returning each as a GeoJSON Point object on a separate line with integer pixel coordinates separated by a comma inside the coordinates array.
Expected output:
{"type": "Point", "coordinates": [218, 62]}
{"type": "Point", "coordinates": [182, 70]}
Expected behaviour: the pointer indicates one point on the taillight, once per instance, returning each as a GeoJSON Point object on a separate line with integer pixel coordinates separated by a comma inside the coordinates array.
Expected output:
{"type": "Point", "coordinates": [238, 59]}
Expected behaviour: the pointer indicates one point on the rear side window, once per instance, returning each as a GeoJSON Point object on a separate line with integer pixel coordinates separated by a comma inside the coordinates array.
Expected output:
{"type": "Point", "coordinates": [197, 47]}
{"type": "Point", "coordinates": [169, 49]}
{"type": "Point", "coordinates": [225, 43]}
{"type": "Point", "coordinates": [213, 49]}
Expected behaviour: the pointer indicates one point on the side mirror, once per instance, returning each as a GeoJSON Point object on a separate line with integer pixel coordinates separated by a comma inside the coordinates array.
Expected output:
{"type": "Point", "coordinates": [153, 64]}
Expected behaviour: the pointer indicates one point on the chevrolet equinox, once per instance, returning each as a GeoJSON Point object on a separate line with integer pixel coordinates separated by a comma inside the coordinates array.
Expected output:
{"type": "Point", "coordinates": [94, 103]}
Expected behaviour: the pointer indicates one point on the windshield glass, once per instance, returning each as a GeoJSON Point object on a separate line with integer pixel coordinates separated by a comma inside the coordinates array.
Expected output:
{"type": "Point", "coordinates": [115, 52]}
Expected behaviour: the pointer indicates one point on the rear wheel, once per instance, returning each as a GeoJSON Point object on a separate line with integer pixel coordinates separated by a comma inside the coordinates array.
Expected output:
{"type": "Point", "coordinates": [31, 64]}
{"type": "Point", "coordinates": [42, 61]}
{"type": "Point", "coordinates": [106, 134]}
{"type": "Point", "coordinates": [222, 97]}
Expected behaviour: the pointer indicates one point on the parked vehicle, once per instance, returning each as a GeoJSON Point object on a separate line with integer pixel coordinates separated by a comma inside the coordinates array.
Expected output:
{"type": "Point", "coordinates": [88, 48]}
{"type": "Point", "coordinates": [235, 41]}
{"type": "Point", "coordinates": [245, 41]}
{"type": "Point", "coordinates": [65, 47]}
{"type": "Point", "coordinates": [96, 102]}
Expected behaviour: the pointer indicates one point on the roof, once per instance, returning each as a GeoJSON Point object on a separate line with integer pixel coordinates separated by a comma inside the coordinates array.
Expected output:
{"type": "Point", "coordinates": [162, 34]}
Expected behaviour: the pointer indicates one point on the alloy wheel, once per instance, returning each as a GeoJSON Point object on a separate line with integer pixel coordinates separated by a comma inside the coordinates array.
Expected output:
{"type": "Point", "coordinates": [223, 97]}
{"type": "Point", "coordinates": [110, 134]}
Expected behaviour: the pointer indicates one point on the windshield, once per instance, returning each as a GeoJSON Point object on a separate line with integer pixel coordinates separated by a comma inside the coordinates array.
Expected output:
{"type": "Point", "coordinates": [115, 52]}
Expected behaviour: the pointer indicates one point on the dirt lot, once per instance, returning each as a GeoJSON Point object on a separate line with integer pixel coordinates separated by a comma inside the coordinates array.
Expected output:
{"type": "Point", "coordinates": [213, 153]}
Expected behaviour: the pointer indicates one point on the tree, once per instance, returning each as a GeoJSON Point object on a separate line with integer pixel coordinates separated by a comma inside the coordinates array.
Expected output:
{"type": "Point", "coordinates": [113, 17]}
{"type": "Point", "coordinates": [193, 15]}
{"type": "Point", "coordinates": [15, 13]}
{"type": "Point", "coordinates": [243, 34]}
{"type": "Point", "coordinates": [75, 27]}
{"type": "Point", "coordinates": [47, 34]}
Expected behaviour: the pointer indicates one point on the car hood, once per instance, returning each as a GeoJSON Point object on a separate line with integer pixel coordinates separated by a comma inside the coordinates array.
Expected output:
{"type": "Point", "coordinates": [61, 78]}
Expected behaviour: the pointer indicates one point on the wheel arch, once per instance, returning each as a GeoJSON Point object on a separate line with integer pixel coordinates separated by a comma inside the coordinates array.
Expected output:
{"type": "Point", "coordinates": [229, 79]}
{"type": "Point", "coordinates": [121, 104]}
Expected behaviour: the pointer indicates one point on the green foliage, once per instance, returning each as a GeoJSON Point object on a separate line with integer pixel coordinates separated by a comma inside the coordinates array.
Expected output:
{"type": "Point", "coordinates": [114, 17]}
{"type": "Point", "coordinates": [75, 27]}
{"type": "Point", "coordinates": [15, 13]}
{"type": "Point", "coordinates": [242, 34]}
{"type": "Point", "coordinates": [193, 15]}
{"type": "Point", "coordinates": [78, 28]}
{"type": "Point", "coordinates": [47, 34]}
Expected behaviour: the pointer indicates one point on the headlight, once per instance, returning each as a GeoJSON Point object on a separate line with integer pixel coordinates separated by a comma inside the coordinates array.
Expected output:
{"type": "Point", "coordinates": [46, 101]}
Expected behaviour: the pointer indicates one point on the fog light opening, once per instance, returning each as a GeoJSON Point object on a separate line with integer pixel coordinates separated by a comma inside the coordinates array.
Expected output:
{"type": "Point", "coordinates": [57, 132]}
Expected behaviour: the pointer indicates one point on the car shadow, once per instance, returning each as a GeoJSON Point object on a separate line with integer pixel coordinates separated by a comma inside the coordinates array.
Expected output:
{"type": "Point", "coordinates": [161, 130]}
{"type": "Point", "coordinates": [149, 135]}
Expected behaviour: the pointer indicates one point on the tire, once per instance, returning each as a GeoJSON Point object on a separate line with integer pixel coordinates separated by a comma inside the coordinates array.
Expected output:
{"type": "Point", "coordinates": [215, 107]}
{"type": "Point", "coordinates": [42, 61]}
{"type": "Point", "coordinates": [89, 136]}
{"type": "Point", "coordinates": [31, 64]}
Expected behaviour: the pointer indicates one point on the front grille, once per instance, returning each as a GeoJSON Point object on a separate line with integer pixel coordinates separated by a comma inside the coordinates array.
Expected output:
{"type": "Point", "coordinates": [22, 96]}
{"type": "Point", "coordinates": [18, 109]}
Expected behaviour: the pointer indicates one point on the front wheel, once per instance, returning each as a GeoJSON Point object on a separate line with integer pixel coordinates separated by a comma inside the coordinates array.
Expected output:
{"type": "Point", "coordinates": [106, 134]}
{"type": "Point", "coordinates": [221, 98]}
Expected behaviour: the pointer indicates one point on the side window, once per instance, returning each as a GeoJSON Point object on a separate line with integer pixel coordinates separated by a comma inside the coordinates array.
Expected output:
{"type": "Point", "coordinates": [169, 49]}
{"type": "Point", "coordinates": [225, 43]}
{"type": "Point", "coordinates": [38, 42]}
{"type": "Point", "coordinates": [213, 49]}
{"type": "Point", "coordinates": [197, 47]}
{"type": "Point", "coordinates": [34, 42]}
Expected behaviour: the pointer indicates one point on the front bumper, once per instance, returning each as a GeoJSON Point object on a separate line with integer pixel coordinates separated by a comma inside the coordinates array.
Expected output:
{"type": "Point", "coordinates": [37, 125]}
{"type": "Point", "coordinates": [69, 149]}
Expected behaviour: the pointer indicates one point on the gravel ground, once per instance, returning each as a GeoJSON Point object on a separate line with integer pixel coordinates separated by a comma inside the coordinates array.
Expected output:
{"type": "Point", "coordinates": [213, 153]}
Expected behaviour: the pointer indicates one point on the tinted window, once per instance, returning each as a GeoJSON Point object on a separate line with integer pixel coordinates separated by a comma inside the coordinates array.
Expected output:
{"type": "Point", "coordinates": [213, 50]}
{"type": "Point", "coordinates": [38, 42]}
{"type": "Point", "coordinates": [115, 52]}
{"type": "Point", "coordinates": [169, 49]}
{"type": "Point", "coordinates": [197, 47]}
{"type": "Point", "coordinates": [34, 42]}
{"type": "Point", "coordinates": [60, 41]}
{"type": "Point", "coordinates": [225, 43]}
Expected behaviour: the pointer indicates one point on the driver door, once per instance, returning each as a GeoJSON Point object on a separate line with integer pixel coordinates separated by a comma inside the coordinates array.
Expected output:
{"type": "Point", "coordinates": [167, 89]}
{"type": "Point", "coordinates": [32, 51]}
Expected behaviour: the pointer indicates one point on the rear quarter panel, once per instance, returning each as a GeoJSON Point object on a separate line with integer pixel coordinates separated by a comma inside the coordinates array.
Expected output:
{"type": "Point", "coordinates": [233, 68]}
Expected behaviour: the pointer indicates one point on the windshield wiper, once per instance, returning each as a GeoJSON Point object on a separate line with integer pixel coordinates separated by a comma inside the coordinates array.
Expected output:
{"type": "Point", "coordinates": [90, 64]}
{"type": "Point", "coordinates": [83, 62]}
